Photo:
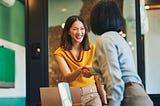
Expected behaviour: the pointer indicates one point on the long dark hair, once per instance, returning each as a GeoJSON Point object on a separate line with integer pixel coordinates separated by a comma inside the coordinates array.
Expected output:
{"type": "Point", "coordinates": [105, 16]}
{"type": "Point", "coordinates": [66, 42]}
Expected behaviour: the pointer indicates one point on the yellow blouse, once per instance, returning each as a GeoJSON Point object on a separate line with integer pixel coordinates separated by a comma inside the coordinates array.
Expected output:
{"type": "Point", "coordinates": [74, 63]}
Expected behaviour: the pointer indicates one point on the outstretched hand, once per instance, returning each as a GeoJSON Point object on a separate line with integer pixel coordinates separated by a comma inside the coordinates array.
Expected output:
{"type": "Point", "coordinates": [86, 71]}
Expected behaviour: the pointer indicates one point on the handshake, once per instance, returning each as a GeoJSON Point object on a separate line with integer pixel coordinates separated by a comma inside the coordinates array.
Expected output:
{"type": "Point", "coordinates": [87, 71]}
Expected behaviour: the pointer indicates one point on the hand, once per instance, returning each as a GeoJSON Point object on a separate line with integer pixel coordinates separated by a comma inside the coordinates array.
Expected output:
{"type": "Point", "coordinates": [86, 71]}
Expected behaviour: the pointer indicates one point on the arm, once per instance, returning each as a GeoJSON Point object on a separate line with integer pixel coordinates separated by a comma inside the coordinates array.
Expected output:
{"type": "Point", "coordinates": [67, 74]}
{"type": "Point", "coordinates": [116, 87]}
{"type": "Point", "coordinates": [101, 90]}
{"type": "Point", "coordinates": [65, 71]}
{"type": "Point", "coordinates": [106, 63]}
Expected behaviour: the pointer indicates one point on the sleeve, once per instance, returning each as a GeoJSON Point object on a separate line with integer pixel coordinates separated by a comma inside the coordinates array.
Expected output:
{"type": "Point", "coordinates": [106, 62]}
{"type": "Point", "coordinates": [58, 52]}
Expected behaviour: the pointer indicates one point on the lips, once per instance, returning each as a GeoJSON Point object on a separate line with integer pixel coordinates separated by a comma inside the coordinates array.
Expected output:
{"type": "Point", "coordinates": [79, 36]}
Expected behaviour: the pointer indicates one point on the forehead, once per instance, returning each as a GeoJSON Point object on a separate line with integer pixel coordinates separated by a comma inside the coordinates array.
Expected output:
{"type": "Point", "coordinates": [77, 24]}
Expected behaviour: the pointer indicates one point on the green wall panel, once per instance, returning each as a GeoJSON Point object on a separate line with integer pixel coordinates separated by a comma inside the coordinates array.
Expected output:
{"type": "Point", "coordinates": [12, 27]}
{"type": "Point", "coordinates": [7, 67]}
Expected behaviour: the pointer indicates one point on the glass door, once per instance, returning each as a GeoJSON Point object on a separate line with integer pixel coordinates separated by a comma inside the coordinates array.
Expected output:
{"type": "Point", "coordinates": [142, 35]}
{"type": "Point", "coordinates": [152, 51]}
{"type": "Point", "coordinates": [58, 12]}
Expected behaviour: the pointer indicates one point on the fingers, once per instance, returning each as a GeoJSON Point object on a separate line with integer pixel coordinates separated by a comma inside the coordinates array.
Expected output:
{"type": "Point", "coordinates": [86, 71]}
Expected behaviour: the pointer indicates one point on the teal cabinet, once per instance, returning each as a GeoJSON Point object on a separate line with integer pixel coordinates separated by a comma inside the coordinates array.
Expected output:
{"type": "Point", "coordinates": [7, 67]}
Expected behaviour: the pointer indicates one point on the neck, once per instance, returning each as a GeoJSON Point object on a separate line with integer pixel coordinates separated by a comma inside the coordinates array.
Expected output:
{"type": "Point", "coordinates": [76, 49]}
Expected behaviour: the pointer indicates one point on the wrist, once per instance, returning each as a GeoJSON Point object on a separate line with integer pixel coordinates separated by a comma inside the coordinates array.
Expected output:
{"type": "Point", "coordinates": [104, 104]}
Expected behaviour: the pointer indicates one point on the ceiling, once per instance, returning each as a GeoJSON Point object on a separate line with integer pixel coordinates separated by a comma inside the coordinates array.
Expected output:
{"type": "Point", "coordinates": [59, 10]}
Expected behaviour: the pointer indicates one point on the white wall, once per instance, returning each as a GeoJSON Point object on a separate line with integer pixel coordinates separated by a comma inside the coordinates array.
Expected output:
{"type": "Point", "coordinates": [20, 73]}
{"type": "Point", "coordinates": [152, 53]}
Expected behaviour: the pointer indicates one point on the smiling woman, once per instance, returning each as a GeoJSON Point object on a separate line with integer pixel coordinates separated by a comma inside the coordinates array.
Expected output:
{"type": "Point", "coordinates": [56, 17]}
{"type": "Point", "coordinates": [74, 56]}
{"type": "Point", "coordinates": [58, 11]}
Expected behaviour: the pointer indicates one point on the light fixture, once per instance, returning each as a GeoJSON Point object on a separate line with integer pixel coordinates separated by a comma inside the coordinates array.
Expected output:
{"type": "Point", "coordinates": [63, 9]}
{"type": "Point", "coordinates": [63, 24]}
{"type": "Point", "coordinates": [151, 7]}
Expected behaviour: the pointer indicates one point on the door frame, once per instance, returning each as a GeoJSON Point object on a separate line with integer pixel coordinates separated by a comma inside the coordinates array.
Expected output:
{"type": "Point", "coordinates": [141, 53]}
{"type": "Point", "coordinates": [36, 31]}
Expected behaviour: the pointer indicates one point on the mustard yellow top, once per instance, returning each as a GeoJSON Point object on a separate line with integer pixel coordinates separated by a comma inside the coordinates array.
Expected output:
{"type": "Point", "coordinates": [74, 63]}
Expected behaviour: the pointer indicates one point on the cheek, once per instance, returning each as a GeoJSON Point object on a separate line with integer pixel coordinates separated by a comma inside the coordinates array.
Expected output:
{"type": "Point", "coordinates": [84, 31]}
{"type": "Point", "coordinates": [71, 34]}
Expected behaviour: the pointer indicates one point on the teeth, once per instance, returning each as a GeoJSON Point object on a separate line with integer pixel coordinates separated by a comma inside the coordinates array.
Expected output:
{"type": "Point", "coordinates": [79, 36]}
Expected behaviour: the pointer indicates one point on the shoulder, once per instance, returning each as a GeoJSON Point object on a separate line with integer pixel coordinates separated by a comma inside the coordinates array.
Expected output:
{"type": "Point", "coordinates": [92, 47]}
{"type": "Point", "coordinates": [59, 50]}
{"type": "Point", "coordinates": [110, 37]}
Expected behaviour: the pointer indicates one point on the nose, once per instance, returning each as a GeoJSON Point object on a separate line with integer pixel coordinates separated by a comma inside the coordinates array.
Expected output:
{"type": "Point", "coordinates": [79, 31]}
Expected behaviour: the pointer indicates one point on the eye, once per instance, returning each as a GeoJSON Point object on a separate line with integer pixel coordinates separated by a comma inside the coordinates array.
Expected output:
{"type": "Point", "coordinates": [82, 28]}
{"type": "Point", "coordinates": [75, 28]}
